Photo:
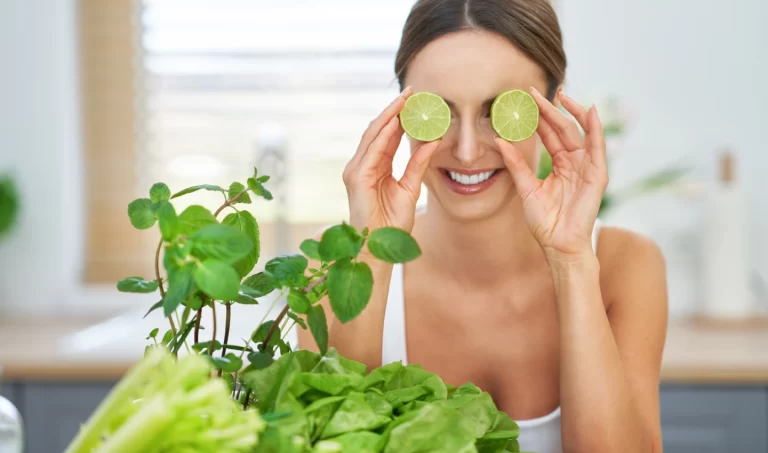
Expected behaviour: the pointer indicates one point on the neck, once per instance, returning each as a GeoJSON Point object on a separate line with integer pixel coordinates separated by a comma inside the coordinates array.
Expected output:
{"type": "Point", "coordinates": [482, 251]}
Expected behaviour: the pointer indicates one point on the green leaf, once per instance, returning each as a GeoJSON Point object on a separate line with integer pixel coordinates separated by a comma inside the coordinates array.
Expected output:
{"type": "Point", "coordinates": [350, 286]}
{"type": "Point", "coordinates": [246, 299]}
{"type": "Point", "coordinates": [318, 292]}
{"type": "Point", "coordinates": [354, 414]}
{"type": "Point", "coordinates": [258, 189]}
{"type": "Point", "coordinates": [198, 187]}
{"type": "Point", "coordinates": [260, 359]}
{"type": "Point", "coordinates": [181, 285]}
{"type": "Point", "coordinates": [298, 301]}
{"type": "Point", "coordinates": [218, 279]}
{"type": "Point", "coordinates": [545, 165]}
{"type": "Point", "coordinates": [140, 213]}
{"type": "Point", "coordinates": [167, 337]}
{"type": "Point", "coordinates": [205, 345]}
{"type": "Point", "coordinates": [246, 223]}
{"type": "Point", "coordinates": [262, 179]}
{"type": "Point", "coordinates": [318, 326]}
{"type": "Point", "coordinates": [153, 308]}
{"type": "Point", "coordinates": [332, 384]}
{"type": "Point", "coordinates": [339, 242]}
{"type": "Point", "coordinates": [258, 285]}
{"type": "Point", "coordinates": [288, 270]}
{"type": "Point", "coordinates": [9, 203]}
{"type": "Point", "coordinates": [137, 285]}
{"type": "Point", "coordinates": [194, 302]}
{"type": "Point", "coordinates": [433, 427]}
{"type": "Point", "coordinates": [153, 333]}
{"type": "Point", "coordinates": [159, 192]}
{"type": "Point", "coordinates": [220, 242]}
{"type": "Point", "coordinates": [193, 218]}
{"type": "Point", "coordinates": [229, 363]}
{"type": "Point", "coordinates": [234, 189]}
{"type": "Point", "coordinates": [393, 245]}
{"type": "Point", "coordinates": [261, 333]}
{"type": "Point", "coordinates": [169, 221]}
{"type": "Point", "coordinates": [310, 247]}
{"type": "Point", "coordinates": [298, 320]}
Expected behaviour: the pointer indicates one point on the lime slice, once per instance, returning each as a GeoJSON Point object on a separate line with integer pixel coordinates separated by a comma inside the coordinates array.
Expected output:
{"type": "Point", "coordinates": [514, 115]}
{"type": "Point", "coordinates": [425, 116]}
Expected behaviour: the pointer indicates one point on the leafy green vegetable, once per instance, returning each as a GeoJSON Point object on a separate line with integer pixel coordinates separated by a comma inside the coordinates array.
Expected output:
{"type": "Point", "coordinates": [166, 406]}
{"type": "Point", "coordinates": [305, 402]}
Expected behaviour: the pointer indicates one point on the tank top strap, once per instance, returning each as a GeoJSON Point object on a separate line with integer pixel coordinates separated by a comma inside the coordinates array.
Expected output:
{"type": "Point", "coordinates": [393, 344]}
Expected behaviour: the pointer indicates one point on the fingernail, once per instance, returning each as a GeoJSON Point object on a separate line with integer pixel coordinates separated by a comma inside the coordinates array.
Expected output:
{"type": "Point", "coordinates": [534, 90]}
{"type": "Point", "coordinates": [406, 90]}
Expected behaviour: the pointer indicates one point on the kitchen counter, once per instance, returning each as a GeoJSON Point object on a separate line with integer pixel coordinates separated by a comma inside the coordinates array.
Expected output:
{"type": "Point", "coordinates": [695, 353]}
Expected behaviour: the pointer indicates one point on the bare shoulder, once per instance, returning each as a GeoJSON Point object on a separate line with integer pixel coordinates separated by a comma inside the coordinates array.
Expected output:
{"type": "Point", "coordinates": [629, 263]}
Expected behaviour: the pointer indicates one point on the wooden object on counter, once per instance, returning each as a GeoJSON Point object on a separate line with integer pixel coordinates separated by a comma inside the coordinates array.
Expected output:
{"type": "Point", "coordinates": [705, 351]}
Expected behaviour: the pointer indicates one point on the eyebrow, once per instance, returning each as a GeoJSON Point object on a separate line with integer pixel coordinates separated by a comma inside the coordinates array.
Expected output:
{"type": "Point", "coordinates": [486, 103]}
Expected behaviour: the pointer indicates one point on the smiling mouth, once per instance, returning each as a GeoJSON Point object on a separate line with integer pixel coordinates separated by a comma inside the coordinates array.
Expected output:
{"type": "Point", "coordinates": [468, 180]}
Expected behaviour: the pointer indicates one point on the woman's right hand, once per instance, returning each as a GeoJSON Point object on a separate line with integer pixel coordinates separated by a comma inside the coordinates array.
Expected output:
{"type": "Point", "coordinates": [376, 198]}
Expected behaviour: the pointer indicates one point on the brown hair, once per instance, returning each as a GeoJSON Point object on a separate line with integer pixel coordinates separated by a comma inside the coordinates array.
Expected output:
{"type": "Point", "coordinates": [531, 25]}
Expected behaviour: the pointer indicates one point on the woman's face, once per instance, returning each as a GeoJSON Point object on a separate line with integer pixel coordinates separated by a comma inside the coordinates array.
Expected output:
{"type": "Point", "coordinates": [469, 69]}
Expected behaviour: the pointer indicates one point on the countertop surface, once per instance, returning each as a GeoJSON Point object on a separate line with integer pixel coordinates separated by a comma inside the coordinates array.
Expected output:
{"type": "Point", "coordinates": [695, 352]}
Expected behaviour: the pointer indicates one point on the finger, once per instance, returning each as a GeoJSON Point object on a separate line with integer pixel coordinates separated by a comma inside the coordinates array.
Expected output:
{"type": "Point", "coordinates": [549, 137]}
{"type": "Point", "coordinates": [575, 109]}
{"type": "Point", "coordinates": [417, 167]}
{"type": "Point", "coordinates": [394, 142]}
{"type": "Point", "coordinates": [595, 139]}
{"type": "Point", "coordinates": [376, 126]}
{"type": "Point", "coordinates": [566, 129]}
{"type": "Point", "coordinates": [525, 181]}
{"type": "Point", "coordinates": [382, 144]}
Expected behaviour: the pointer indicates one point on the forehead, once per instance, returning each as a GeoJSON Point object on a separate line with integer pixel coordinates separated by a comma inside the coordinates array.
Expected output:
{"type": "Point", "coordinates": [472, 65]}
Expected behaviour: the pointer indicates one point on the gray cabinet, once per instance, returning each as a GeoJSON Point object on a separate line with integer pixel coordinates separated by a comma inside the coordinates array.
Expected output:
{"type": "Point", "coordinates": [704, 419]}
{"type": "Point", "coordinates": [54, 411]}
{"type": "Point", "coordinates": [695, 419]}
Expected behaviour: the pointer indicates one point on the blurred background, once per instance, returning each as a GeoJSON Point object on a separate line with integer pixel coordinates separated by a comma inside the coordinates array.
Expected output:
{"type": "Point", "coordinates": [99, 99]}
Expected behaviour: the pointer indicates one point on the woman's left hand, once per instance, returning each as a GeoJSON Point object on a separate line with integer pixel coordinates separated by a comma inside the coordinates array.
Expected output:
{"type": "Point", "coordinates": [561, 210]}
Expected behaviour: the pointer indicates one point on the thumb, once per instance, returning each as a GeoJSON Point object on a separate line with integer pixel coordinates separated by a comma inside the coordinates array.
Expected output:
{"type": "Point", "coordinates": [525, 181]}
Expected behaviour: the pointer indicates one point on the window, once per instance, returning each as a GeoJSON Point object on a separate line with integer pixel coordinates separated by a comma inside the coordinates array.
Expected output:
{"type": "Point", "coordinates": [201, 92]}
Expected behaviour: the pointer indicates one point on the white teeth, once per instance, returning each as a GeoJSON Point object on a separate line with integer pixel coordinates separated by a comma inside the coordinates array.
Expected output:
{"type": "Point", "coordinates": [469, 180]}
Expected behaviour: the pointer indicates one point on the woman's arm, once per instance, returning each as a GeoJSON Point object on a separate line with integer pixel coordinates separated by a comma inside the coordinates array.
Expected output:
{"type": "Point", "coordinates": [610, 363]}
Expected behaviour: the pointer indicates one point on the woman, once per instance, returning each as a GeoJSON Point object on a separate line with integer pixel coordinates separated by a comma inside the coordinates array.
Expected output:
{"type": "Point", "coordinates": [517, 289]}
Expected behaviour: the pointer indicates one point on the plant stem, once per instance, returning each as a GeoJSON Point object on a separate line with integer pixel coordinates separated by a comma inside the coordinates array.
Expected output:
{"type": "Point", "coordinates": [228, 307]}
{"type": "Point", "coordinates": [288, 330]}
{"type": "Point", "coordinates": [284, 311]}
{"type": "Point", "coordinates": [247, 397]}
{"type": "Point", "coordinates": [197, 324]}
{"type": "Point", "coordinates": [213, 336]}
{"type": "Point", "coordinates": [229, 202]}
{"type": "Point", "coordinates": [160, 282]}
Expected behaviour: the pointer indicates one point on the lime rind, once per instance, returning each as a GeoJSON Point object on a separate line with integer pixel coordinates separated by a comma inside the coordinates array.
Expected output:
{"type": "Point", "coordinates": [514, 115]}
{"type": "Point", "coordinates": [425, 116]}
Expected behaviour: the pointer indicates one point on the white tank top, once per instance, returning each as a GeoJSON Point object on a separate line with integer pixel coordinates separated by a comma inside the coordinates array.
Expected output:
{"type": "Point", "coordinates": [541, 435]}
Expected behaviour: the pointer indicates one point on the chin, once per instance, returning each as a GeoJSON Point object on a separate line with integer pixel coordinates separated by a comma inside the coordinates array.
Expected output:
{"type": "Point", "coordinates": [470, 195]}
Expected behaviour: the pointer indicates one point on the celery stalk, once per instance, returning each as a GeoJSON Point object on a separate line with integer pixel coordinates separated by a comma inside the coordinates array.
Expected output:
{"type": "Point", "coordinates": [142, 430]}
{"type": "Point", "coordinates": [89, 435]}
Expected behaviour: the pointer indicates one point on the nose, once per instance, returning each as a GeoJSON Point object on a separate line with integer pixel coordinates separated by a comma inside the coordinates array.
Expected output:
{"type": "Point", "coordinates": [468, 149]}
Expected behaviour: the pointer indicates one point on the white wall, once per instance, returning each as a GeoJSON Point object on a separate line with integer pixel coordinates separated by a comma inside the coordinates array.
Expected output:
{"type": "Point", "coordinates": [693, 72]}
{"type": "Point", "coordinates": [39, 141]}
